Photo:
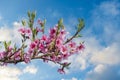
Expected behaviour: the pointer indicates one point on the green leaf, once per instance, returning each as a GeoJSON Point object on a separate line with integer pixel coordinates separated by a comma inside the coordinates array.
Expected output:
{"type": "Point", "coordinates": [34, 34]}
{"type": "Point", "coordinates": [9, 43]}
{"type": "Point", "coordinates": [23, 22]}
{"type": "Point", "coordinates": [33, 15]}
{"type": "Point", "coordinates": [28, 14]}
{"type": "Point", "coordinates": [81, 24]}
{"type": "Point", "coordinates": [15, 48]}
{"type": "Point", "coordinates": [60, 22]}
{"type": "Point", "coordinates": [5, 45]}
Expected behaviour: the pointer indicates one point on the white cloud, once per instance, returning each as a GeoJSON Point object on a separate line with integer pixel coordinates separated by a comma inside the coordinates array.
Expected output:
{"type": "Point", "coordinates": [11, 34]}
{"type": "Point", "coordinates": [102, 49]}
{"type": "Point", "coordinates": [13, 73]}
{"type": "Point", "coordinates": [105, 56]}
{"type": "Point", "coordinates": [5, 34]}
{"type": "Point", "coordinates": [99, 68]}
{"type": "Point", "coordinates": [73, 78]}
{"type": "Point", "coordinates": [9, 73]}
{"type": "Point", "coordinates": [16, 24]}
{"type": "Point", "coordinates": [110, 8]}
{"type": "Point", "coordinates": [30, 69]}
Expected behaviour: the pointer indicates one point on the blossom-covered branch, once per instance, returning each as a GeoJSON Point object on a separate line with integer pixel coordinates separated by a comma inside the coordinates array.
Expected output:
{"type": "Point", "coordinates": [54, 46]}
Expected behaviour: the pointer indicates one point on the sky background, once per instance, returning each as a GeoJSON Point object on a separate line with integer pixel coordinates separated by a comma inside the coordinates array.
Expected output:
{"type": "Point", "coordinates": [101, 57]}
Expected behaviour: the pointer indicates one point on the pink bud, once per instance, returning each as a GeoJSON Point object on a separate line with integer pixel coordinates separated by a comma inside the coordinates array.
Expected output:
{"type": "Point", "coordinates": [61, 71]}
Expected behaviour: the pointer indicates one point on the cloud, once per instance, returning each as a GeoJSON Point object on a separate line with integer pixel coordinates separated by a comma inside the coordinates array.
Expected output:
{"type": "Point", "coordinates": [99, 68]}
{"type": "Point", "coordinates": [9, 73]}
{"type": "Point", "coordinates": [30, 69]}
{"type": "Point", "coordinates": [14, 73]}
{"type": "Point", "coordinates": [10, 33]}
{"type": "Point", "coordinates": [16, 24]}
{"type": "Point", "coordinates": [104, 56]}
{"type": "Point", "coordinates": [108, 73]}
{"type": "Point", "coordinates": [73, 78]}
{"type": "Point", "coordinates": [5, 34]}
{"type": "Point", "coordinates": [110, 8]}
{"type": "Point", "coordinates": [104, 48]}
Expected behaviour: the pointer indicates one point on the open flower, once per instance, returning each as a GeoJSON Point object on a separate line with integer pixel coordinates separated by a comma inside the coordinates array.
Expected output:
{"type": "Point", "coordinates": [80, 47]}
{"type": "Point", "coordinates": [32, 45]}
{"type": "Point", "coordinates": [27, 58]}
{"type": "Point", "coordinates": [72, 44]}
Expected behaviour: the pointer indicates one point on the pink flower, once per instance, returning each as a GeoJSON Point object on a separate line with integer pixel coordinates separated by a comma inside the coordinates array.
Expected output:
{"type": "Point", "coordinates": [52, 31]}
{"type": "Point", "coordinates": [17, 56]}
{"type": "Point", "coordinates": [1, 55]}
{"type": "Point", "coordinates": [58, 43]}
{"type": "Point", "coordinates": [62, 34]}
{"type": "Point", "coordinates": [36, 41]}
{"type": "Point", "coordinates": [44, 38]}
{"type": "Point", "coordinates": [22, 31]}
{"type": "Point", "coordinates": [28, 31]}
{"type": "Point", "coordinates": [27, 58]}
{"type": "Point", "coordinates": [32, 45]}
{"type": "Point", "coordinates": [38, 30]}
{"type": "Point", "coordinates": [80, 47]}
{"type": "Point", "coordinates": [73, 50]}
{"type": "Point", "coordinates": [65, 56]}
{"type": "Point", "coordinates": [10, 48]}
{"type": "Point", "coordinates": [72, 44]}
{"type": "Point", "coordinates": [30, 51]}
{"type": "Point", "coordinates": [40, 22]}
{"type": "Point", "coordinates": [53, 57]}
{"type": "Point", "coordinates": [41, 46]}
{"type": "Point", "coordinates": [64, 49]}
{"type": "Point", "coordinates": [61, 71]}
{"type": "Point", "coordinates": [58, 58]}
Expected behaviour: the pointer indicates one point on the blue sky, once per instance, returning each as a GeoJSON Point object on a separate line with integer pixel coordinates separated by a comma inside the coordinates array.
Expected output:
{"type": "Point", "coordinates": [99, 61]}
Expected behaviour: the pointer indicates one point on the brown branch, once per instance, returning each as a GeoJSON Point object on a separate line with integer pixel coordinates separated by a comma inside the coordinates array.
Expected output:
{"type": "Point", "coordinates": [22, 60]}
{"type": "Point", "coordinates": [68, 40]}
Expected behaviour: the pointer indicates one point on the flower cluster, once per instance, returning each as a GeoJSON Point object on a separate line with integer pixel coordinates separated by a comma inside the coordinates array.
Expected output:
{"type": "Point", "coordinates": [54, 46]}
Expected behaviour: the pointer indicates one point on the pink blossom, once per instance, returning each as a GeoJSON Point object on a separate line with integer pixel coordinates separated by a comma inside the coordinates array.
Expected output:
{"type": "Point", "coordinates": [1, 55]}
{"type": "Point", "coordinates": [38, 30]}
{"type": "Point", "coordinates": [17, 56]}
{"type": "Point", "coordinates": [73, 50]}
{"type": "Point", "coordinates": [28, 31]}
{"type": "Point", "coordinates": [80, 47]}
{"type": "Point", "coordinates": [10, 48]}
{"type": "Point", "coordinates": [36, 41]}
{"type": "Point", "coordinates": [58, 43]}
{"type": "Point", "coordinates": [53, 57]}
{"type": "Point", "coordinates": [63, 49]}
{"type": "Point", "coordinates": [52, 31]}
{"type": "Point", "coordinates": [72, 44]}
{"type": "Point", "coordinates": [27, 58]}
{"type": "Point", "coordinates": [58, 58]}
{"type": "Point", "coordinates": [41, 46]}
{"type": "Point", "coordinates": [40, 22]}
{"type": "Point", "coordinates": [61, 71]}
{"type": "Point", "coordinates": [44, 38]}
{"type": "Point", "coordinates": [65, 56]}
{"type": "Point", "coordinates": [30, 51]}
{"type": "Point", "coordinates": [32, 45]}
{"type": "Point", "coordinates": [22, 31]}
